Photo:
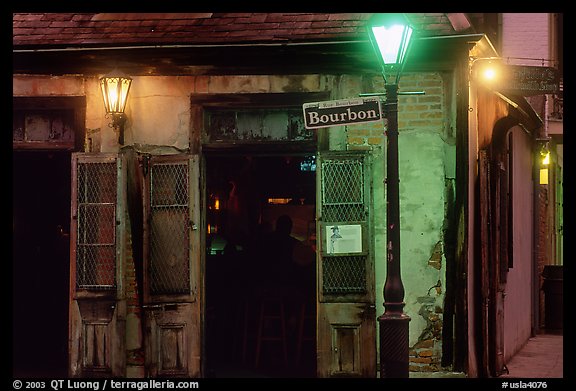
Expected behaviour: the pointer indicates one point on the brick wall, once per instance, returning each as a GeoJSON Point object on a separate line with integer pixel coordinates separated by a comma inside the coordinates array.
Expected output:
{"type": "Point", "coordinates": [522, 28]}
{"type": "Point", "coordinates": [421, 112]}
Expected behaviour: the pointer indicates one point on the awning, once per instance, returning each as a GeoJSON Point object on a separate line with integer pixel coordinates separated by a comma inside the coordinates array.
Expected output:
{"type": "Point", "coordinates": [523, 111]}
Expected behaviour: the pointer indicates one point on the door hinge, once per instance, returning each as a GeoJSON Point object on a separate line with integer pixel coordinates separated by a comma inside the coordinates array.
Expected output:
{"type": "Point", "coordinates": [145, 164]}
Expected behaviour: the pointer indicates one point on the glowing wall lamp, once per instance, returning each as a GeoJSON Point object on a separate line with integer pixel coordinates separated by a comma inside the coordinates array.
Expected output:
{"type": "Point", "coordinates": [544, 163]}
{"type": "Point", "coordinates": [488, 71]}
{"type": "Point", "coordinates": [115, 87]}
{"type": "Point", "coordinates": [391, 35]}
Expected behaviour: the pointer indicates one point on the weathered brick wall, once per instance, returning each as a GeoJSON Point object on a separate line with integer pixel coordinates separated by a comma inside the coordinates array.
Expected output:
{"type": "Point", "coordinates": [423, 126]}
{"type": "Point", "coordinates": [421, 118]}
{"type": "Point", "coordinates": [421, 112]}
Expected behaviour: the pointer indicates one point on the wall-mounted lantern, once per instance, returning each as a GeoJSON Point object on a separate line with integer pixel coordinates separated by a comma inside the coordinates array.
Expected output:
{"type": "Point", "coordinates": [488, 71]}
{"type": "Point", "coordinates": [544, 160]}
{"type": "Point", "coordinates": [115, 87]}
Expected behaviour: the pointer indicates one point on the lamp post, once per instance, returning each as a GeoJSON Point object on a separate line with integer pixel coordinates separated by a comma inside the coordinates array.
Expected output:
{"type": "Point", "coordinates": [390, 36]}
{"type": "Point", "coordinates": [115, 87]}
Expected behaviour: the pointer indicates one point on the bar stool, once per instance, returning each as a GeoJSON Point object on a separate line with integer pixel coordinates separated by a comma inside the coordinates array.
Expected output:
{"type": "Point", "coordinates": [271, 324]}
{"type": "Point", "coordinates": [307, 319]}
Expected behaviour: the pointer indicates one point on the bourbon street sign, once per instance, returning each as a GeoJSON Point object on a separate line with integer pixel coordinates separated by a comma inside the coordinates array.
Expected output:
{"type": "Point", "coordinates": [530, 80]}
{"type": "Point", "coordinates": [341, 112]}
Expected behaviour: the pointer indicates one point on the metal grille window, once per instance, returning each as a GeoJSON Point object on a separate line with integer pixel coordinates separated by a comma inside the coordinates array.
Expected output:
{"type": "Point", "coordinates": [343, 190]}
{"type": "Point", "coordinates": [96, 232]}
{"type": "Point", "coordinates": [344, 202]}
{"type": "Point", "coordinates": [344, 274]}
{"type": "Point", "coordinates": [169, 229]}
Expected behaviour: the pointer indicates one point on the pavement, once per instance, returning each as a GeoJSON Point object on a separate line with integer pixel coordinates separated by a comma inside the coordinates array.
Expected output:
{"type": "Point", "coordinates": [541, 357]}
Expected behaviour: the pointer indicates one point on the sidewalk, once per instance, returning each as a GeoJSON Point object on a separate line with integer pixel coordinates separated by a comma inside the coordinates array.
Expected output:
{"type": "Point", "coordinates": [541, 357]}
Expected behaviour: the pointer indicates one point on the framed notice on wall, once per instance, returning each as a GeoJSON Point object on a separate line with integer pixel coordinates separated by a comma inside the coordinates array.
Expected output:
{"type": "Point", "coordinates": [342, 239]}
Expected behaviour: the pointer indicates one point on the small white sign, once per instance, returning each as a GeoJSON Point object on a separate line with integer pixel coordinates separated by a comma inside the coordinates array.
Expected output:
{"type": "Point", "coordinates": [344, 239]}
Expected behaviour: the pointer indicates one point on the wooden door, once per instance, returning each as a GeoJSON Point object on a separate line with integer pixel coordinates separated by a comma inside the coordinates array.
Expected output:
{"type": "Point", "coordinates": [498, 263]}
{"type": "Point", "coordinates": [171, 266]}
{"type": "Point", "coordinates": [346, 322]}
{"type": "Point", "coordinates": [493, 195]}
{"type": "Point", "coordinates": [97, 302]}
{"type": "Point", "coordinates": [485, 251]}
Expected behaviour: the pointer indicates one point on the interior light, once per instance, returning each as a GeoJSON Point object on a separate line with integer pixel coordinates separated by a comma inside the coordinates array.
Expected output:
{"type": "Point", "coordinates": [279, 201]}
{"type": "Point", "coordinates": [544, 176]}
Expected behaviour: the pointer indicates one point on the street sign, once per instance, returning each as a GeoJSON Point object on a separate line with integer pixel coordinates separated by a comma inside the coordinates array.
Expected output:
{"type": "Point", "coordinates": [341, 112]}
{"type": "Point", "coordinates": [530, 80]}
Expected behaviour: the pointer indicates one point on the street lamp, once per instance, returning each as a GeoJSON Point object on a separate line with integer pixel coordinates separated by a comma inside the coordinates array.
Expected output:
{"type": "Point", "coordinates": [115, 87]}
{"type": "Point", "coordinates": [390, 37]}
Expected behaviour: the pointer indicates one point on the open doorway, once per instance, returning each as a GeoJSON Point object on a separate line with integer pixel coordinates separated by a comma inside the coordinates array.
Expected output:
{"type": "Point", "coordinates": [40, 263]}
{"type": "Point", "coordinates": [260, 318]}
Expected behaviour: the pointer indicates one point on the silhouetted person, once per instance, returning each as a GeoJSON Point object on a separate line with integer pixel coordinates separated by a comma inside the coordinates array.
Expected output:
{"type": "Point", "coordinates": [281, 248]}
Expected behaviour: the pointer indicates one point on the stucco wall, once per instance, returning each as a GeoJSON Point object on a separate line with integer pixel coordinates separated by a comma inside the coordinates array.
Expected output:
{"type": "Point", "coordinates": [159, 114]}
{"type": "Point", "coordinates": [426, 160]}
{"type": "Point", "coordinates": [517, 30]}
{"type": "Point", "coordinates": [424, 155]}
{"type": "Point", "coordinates": [518, 310]}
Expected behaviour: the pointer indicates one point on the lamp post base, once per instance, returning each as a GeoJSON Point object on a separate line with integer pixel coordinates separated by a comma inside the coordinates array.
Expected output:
{"type": "Point", "coordinates": [394, 345]}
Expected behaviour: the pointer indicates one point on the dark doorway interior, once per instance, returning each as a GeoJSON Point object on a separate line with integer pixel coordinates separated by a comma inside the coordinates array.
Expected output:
{"type": "Point", "coordinates": [40, 263]}
{"type": "Point", "coordinates": [253, 308]}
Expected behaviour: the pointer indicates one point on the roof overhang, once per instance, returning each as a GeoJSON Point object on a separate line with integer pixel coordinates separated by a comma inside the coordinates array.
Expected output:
{"type": "Point", "coordinates": [428, 53]}
{"type": "Point", "coordinates": [433, 53]}
{"type": "Point", "coordinates": [523, 112]}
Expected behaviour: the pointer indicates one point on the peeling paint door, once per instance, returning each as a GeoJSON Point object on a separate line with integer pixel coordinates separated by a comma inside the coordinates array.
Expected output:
{"type": "Point", "coordinates": [485, 243]}
{"type": "Point", "coordinates": [346, 322]}
{"type": "Point", "coordinates": [498, 262]}
{"type": "Point", "coordinates": [494, 261]}
{"type": "Point", "coordinates": [97, 303]}
{"type": "Point", "coordinates": [171, 266]}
